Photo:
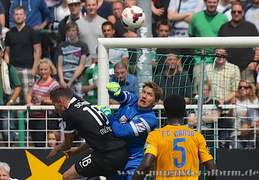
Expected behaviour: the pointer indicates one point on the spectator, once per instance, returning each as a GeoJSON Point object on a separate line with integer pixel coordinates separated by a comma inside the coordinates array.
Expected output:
{"type": "Point", "coordinates": [245, 97]}
{"type": "Point", "coordinates": [23, 50]}
{"type": "Point", "coordinates": [37, 13]}
{"type": "Point", "coordinates": [224, 7]}
{"type": "Point", "coordinates": [251, 12]}
{"type": "Point", "coordinates": [172, 138]}
{"type": "Point", "coordinates": [134, 120]}
{"type": "Point", "coordinates": [242, 57]}
{"type": "Point", "coordinates": [163, 29]}
{"type": "Point", "coordinates": [180, 13]}
{"type": "Point", "coordinates": [252, 121]}
{"type": "Point", "coordinates": [7, 97]}
{"type": "Point", "coordinates": [115, 54]}
{"type": "Point", "coordinates": [72, 59]}
{"type": "Point", "coordinates": [58, 13]}
{"type": "Point", "coordinates": [205, 24]}
{"type": "Point", "coordinates": [54, 138]}
{"type": "Point", "coordinates": [209, 115]}
{"type": "Point", "coordinates": [39, 94]}
{"type": "Point", "coordinates": [105, 10]}
{"type": "Point", "coordinates": [120, 29]}
{"type": "Point", "coordinates": [172, 79]}
{"type": "Point", "coordinates": [90, 84]}
{"type": "Point", "coordinates": [93, 22]}
{"type": "Point", "coordinates": [159, 12]}
{"type": "Point", "coordinates": [5, 171]}
{"type": "Point", "coordinates": [128, 82]}
{"type": "Point", "coordinates": [75, 14]}
{"type": "Point", "coordinates": [224, 78]}
{"type": "Point", "coordinates": [108, 154]}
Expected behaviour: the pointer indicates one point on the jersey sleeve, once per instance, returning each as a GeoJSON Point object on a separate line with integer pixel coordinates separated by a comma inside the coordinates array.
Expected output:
{"type": "Point", "coordinates": [67, 123]}
{"type": "Point", "coordinates": [151, 144]}
{"type": "Point", "coordinates": [124, 97]}
{"type": "Point", "coordinates": [142, 124]}
{"type": "Point", "coordinates": [203, 152]}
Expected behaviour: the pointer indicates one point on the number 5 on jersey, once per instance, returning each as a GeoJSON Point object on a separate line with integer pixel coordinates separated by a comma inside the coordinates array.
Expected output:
{"type": "Point", "coordinates": [179, 162]}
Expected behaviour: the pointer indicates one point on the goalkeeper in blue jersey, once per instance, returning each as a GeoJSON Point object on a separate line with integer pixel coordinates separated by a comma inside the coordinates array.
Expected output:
{"type": "Point", "coordinates": [133, 121]}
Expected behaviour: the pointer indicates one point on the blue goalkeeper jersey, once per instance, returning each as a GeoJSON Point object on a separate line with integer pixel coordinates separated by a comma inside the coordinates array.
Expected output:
{"type": "Point", "coordinates": [132, 123]}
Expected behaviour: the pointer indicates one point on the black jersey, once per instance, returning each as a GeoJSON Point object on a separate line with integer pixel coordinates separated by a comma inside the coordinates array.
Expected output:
{"type": "Point", "coordinates": [91, 124]}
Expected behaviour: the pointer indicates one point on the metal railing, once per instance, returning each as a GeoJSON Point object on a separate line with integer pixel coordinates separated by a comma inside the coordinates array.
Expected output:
{"type": "Point", "coordinates": [23, 131]}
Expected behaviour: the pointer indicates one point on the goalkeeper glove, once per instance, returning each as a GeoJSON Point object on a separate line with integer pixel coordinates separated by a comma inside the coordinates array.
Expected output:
{"type": "Point", "coordinates": [105, 109]}
{"type": "Point", "coordinates": [114, 88]}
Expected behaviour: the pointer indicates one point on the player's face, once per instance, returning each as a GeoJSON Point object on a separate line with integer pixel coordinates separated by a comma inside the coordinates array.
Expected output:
{"type": "Point", "coordinates": [163, 31]}
{"type": "Point", "coordinates": [121, 74]}
{"type": "Point", "coordinates": [72, 33]}
{"type": "Point", "coordinates": [108, 32]}
{"type": "Point", "coordinates": [74, 8]}
{"type": "Point", "coordinates": [117, 9]}
{"type": "Point", "coordinates": [211, 5]}
{"type": "Point", "coordinates": [45, 71]}
{"type": "Point", "coordinates": [4, 175]}
{"type": "Point", "coordinates": [19, 16]}
{"type": "Point", "coordinates": [91, 7]}
{"type": "Point", "coordinates": [147, 98]}
{"type": "Point", "coordinates": [237, 13]}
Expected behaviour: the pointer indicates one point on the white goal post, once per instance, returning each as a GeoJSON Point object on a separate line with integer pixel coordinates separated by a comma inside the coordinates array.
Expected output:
{"type": "Point", "coordinates": [193, 42]}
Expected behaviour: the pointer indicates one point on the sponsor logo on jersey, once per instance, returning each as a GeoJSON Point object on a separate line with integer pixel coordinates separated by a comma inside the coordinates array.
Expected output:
{"type": "Point", "coordinates": [123, 119]}
{"type": "Point", "coordinates": [140, 127]}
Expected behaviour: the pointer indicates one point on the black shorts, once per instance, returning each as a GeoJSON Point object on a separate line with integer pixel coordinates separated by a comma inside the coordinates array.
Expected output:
{"type": "Point", "coordinates": [98, 163]}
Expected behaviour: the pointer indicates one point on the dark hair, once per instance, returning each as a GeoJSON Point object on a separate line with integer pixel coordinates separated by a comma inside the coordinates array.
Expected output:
{"type": "Point", "coordinates": [108, 23]}
{"type": "Point", "coordinates": [174, 106]}
{"type": "Point", "coordinates": [164, 22]}
{"type": "Point", "coordinates": [70, 25]}
{"type": "Point", "coordinates": [158, 91]}
{"type": "Point", "coordinates": [237, 3]}
{"type": "Point", "coordinates": [61, 92]}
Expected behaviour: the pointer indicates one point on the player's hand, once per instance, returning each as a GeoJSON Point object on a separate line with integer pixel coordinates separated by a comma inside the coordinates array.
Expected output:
{"type": "Point", "coordinates": [114, 88]}
{"type": "Point", "coordinates": [105, 109]}
{"type": "Point", "coordinates": [71, 152]}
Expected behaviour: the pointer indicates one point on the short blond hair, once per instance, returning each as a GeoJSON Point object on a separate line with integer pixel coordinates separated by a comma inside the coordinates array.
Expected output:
{"type": "Point", "coordinates": [50, 63]}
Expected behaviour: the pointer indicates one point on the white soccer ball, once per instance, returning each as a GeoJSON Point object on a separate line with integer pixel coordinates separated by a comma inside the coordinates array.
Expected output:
{"type": "Point", "coordinates": [133, 17]}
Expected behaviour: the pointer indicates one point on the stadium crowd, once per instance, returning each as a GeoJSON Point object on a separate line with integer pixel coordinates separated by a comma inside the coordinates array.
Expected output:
{"type": "Point", "coordinates": [40, 38]}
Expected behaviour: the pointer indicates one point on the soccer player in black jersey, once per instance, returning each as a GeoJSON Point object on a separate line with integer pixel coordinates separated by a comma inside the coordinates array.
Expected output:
{"type": "Point", "coordinates": [109, 153]}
